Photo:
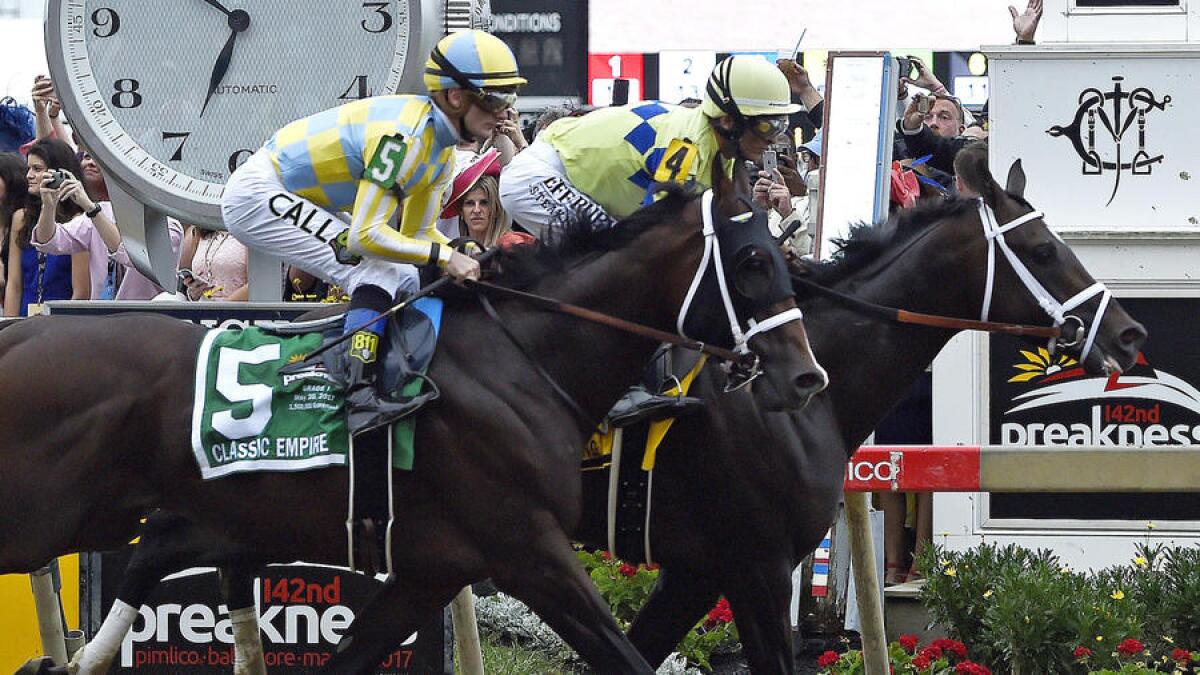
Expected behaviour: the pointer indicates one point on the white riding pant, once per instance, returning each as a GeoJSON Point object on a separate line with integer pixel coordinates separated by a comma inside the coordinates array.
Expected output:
{"type": "Point", "coordinates": [536, 193]}
{"type": "Point", "coordinates": [260, 212]}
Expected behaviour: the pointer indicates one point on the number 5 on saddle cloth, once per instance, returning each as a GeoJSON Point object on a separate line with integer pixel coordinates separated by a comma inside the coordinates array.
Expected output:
{"type": "Point", "coordinates": [261, 407]}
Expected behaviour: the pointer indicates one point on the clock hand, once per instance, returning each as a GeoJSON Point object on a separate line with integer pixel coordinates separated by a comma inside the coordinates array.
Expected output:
{"type": "Point", "coordinates": [219, 6]}
{"type": "Point", "coordinates": [239, 21]}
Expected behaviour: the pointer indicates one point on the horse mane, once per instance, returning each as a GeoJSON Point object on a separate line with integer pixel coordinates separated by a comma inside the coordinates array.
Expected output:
{"type": "Point", "coordinates": [867, 242]}
{"type": "Point", "coordinates": [521, 266]}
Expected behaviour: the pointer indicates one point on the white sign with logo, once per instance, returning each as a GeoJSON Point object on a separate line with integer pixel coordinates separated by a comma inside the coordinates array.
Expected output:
{"type": "Point", "coordinates": [1108, 140]}
{"type": "Point", "coordinates": [684, 74]}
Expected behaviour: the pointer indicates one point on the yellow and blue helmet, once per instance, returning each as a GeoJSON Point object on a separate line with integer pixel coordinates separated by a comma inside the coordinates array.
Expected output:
{"type": "Point", "coordinates": [472, 59]}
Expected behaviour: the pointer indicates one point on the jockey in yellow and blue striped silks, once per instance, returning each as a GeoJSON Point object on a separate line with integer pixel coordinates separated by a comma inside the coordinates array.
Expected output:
{"type": "Point", "coordinates": [371, 158]}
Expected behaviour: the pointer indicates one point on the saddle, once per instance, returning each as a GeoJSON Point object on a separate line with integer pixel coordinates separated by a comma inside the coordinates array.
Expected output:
{"type": "Point", "coordinates": [411, 339]}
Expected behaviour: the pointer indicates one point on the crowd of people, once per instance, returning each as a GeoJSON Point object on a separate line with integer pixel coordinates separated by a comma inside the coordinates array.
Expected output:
{"type": "Point", "coordinates": [60, 240]}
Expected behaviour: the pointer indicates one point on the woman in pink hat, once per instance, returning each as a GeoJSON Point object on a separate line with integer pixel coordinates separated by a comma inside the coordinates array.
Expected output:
{"type": "Point", "coordinates": [473, 209]}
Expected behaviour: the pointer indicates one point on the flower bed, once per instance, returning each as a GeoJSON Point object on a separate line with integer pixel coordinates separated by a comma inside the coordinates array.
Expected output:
{"type": "Point", "coordinates": [1022, 611]}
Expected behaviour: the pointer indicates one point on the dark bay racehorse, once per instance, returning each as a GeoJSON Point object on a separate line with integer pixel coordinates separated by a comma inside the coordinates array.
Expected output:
{"type": "Point", "coordinates": [95, 417]}
{"type": "Point", "coordinates": [741, 494]}
{"type": "Point", "coordinates": [759, 489]}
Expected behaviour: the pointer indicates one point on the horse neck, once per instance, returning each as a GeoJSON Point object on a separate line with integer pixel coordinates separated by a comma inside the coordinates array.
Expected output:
{"type": "Point", "coordinates": [872, 363]}
{"type": "Point", "coordinates": [643, 282]}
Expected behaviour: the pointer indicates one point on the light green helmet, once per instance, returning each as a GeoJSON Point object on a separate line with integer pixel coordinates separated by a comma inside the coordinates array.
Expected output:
{"type": "Point", "coordinates": [747, 86]}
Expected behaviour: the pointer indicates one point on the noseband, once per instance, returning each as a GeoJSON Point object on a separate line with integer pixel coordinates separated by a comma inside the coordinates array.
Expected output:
{"type": "Point", "coordinates": [712, 256]}
{"type": "Point", "coordinates": [1057, 311]}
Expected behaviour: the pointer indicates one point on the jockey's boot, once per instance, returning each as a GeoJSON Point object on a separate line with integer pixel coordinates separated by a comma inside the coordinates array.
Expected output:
{"type": "Point", "coordinates": [639, 405]}
{"type": "Point", "coordinates": [366, 407]}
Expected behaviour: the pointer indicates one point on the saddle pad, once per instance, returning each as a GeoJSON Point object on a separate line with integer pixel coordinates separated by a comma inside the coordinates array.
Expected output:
{"type": "Point", "coordinates": [247, 417]}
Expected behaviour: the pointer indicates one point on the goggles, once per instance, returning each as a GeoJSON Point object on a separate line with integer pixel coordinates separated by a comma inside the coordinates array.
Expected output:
{"type": "Point", "coordinates": [768, 128]}
{"type": "Point", "coordinates": [494, 101]}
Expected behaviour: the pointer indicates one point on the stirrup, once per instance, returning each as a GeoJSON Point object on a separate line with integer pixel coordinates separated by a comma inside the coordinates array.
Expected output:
{"type": "Point", "coordinates": [639, 405]}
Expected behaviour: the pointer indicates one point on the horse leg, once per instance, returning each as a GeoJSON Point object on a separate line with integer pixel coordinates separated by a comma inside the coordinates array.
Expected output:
{"type": "Point", "coordinates": [548, 578]}
{"type": "Point", "coordinates": [679, 599]}
{"type": "Point", "coordinates": [169, 543]}
{"type": "Point", "coordinates": [392, 614]}
{"type": "Point", "coordinates": [237, 589]}
{"type": "Point", "coordinates": [758, 595]}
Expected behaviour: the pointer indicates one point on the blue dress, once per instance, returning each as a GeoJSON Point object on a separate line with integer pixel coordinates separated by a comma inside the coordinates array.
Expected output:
{"type": "Point", "coordinates": [43, 277]}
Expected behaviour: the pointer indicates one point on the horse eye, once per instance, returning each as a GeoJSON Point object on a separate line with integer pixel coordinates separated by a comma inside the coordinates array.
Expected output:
{"type": "Point", "coordinates": [1044, 254]}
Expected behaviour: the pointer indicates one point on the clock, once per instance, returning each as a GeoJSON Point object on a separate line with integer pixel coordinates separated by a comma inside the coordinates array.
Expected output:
{"type": "Point", "coordinates": [171, 96]}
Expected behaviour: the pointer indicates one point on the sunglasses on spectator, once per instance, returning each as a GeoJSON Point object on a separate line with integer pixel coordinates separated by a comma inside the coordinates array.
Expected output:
{"type": "Point", "coordinates": [767, 128]}
{"type": "Point", "coordinates": [495, 101]}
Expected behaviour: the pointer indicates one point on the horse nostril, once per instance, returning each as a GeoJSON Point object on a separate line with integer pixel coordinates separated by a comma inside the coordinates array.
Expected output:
{"type": "Point", "coordinates": [811, 381]}
{"type": "Point", "coordinates": [1133, 335]}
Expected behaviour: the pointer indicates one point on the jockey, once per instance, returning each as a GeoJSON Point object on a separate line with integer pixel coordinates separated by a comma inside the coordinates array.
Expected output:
{"type": "Point", "coordinates": [599, 167]}
{"type": "Point", "coordinates": [371, 158]}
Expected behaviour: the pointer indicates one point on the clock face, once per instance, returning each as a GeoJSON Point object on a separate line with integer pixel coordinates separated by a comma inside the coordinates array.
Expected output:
{"type": "Point", "coordinates": [180, 93]}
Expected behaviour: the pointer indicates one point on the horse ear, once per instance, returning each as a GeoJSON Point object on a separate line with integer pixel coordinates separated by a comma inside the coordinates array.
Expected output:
{"type": "Point", "coordinates": [1016, 179]}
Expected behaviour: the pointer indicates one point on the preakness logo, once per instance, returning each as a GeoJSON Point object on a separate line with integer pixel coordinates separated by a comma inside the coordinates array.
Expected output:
{"type": "Point", "coordinates": [1147, 407]}
{"type": "Point", "coordinates": [301, 623]}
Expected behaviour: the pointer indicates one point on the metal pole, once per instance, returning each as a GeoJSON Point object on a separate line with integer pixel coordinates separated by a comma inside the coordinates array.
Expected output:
{"type": "Point", "coordinates": [466, 633]}
{"type": "Point", "coordinates": [866, 584]}
{"type": "Point", "coordinates": [49, 614]}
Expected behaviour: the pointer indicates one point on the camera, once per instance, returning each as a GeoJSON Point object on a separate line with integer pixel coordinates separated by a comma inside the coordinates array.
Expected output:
{"type": "Point", "coordinates": [57, 178]}
{"type": "Point", "coordinates": [924, 104]}
{"type": "Point", "coordinates": [907, 67]}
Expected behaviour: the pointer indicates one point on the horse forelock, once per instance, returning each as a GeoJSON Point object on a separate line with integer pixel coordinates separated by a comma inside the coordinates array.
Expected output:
{"type": "Point", "coordinates": [523, 265]}
{"type": "Point", "coordinates": [868, 242]}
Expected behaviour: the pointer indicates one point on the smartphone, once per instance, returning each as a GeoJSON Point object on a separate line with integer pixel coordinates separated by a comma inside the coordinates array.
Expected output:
{"type": "Point", "coordinates": [905, 66]}
{"type": "Point", "coordinates": [770, 161]}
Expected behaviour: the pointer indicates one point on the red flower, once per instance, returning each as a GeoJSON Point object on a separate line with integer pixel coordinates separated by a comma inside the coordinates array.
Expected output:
{"type": "Point", "coordinates": [605, 555]}
{"type": "Point", "coordinates": [1081, 653]}
{"type": "Point", "coordinates": [721, 613]}
{"type": "Point", "coordinates": [627, 570]}
{"type": "Point", "coordinates": [1181, 655]}
{"type": "Point", "coordinates": [951, 647]}
{"type": "Point", "coordinates": [827, 659]}
{"type": "Point", "coordinates": [932, 652]}
{"type": "Point", "coordinates": [909, 643]}
{"type": "Point", "coordinates": [921, 661]}
{"type": "Point", "coordinates": [1130, 647]}
{"type": "Point", "coordinates": [971, 668]}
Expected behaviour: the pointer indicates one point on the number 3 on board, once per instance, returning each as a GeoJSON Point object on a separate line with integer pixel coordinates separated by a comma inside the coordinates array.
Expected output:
{"type": "Point", "coordinates": [678, 160]}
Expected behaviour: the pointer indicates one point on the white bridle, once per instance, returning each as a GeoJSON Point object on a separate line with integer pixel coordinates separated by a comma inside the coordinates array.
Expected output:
{"type": "Point", "coordinates": [712, 253]}
{"type": "Point", "coordinates": [1056, 310]}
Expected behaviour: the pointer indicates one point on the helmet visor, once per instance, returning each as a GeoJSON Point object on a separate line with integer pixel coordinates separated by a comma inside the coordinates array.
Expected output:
{"type": "Point", "coordinates": [494, 101]}
{"type": "Point", "coordinates": [768, 127]}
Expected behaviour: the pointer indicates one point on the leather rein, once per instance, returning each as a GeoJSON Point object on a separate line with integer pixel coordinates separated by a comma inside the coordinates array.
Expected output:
{"type": "Point", "coordinates": [933, 320]}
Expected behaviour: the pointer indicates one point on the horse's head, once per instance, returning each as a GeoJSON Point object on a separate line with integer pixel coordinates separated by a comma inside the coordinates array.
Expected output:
{"type": "Point", "coordinates": [1032, 274]}
{"type": "Point", "coordinates": [741, 298]}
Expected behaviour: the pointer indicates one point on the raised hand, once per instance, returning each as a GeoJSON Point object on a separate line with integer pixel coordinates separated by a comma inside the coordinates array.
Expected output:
{"type": "Point", "coordinates": [1025, 23]}
{"type": "Point", "coordinates": [239, 21]}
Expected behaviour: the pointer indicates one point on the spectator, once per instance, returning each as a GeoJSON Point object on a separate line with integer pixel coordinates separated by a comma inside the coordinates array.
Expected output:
{"type": "Point", "coordinates": [473, 206]}
{"type": "Point", "coordinates": [507, 138]}
{"type": "Point", "coordinates": [35, 277]}
{"type": "Point", "coordinates": [13, 191]}
{"type": "Point", "coordinates": [811, 118]}
{"type": "Point", "coordinates": [218, 266]}
{"type": "Point", "coordinates": [16, 125]}
{"type": "Point", "coordinates": [47, 110]}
